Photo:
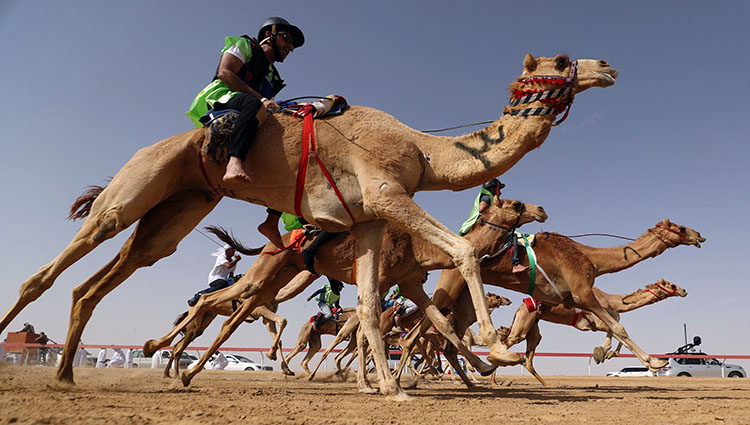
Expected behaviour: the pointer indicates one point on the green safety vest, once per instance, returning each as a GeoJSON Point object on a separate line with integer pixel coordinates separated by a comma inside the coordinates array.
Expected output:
{"type": "Point", "coordinates": [329, 297]}
{"type": "Point", "coordinates": [218, 92]}
{"type": "Point", "coordinates": [291, 222]}
{"type": "Point", "coordinates": [474, 215]}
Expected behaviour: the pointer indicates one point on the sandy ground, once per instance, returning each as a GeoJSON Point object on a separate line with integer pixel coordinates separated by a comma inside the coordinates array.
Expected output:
{"type": "Point", "coordinates": [29, 395]}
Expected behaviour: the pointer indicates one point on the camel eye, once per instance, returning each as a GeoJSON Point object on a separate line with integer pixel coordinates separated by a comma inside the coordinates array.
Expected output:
{"type": "Point", "coordinates": [517, 206]}
{"type": "Point", "coordinates": [682, 229]}
{"type": "Point", "coordinates": [561, 63]}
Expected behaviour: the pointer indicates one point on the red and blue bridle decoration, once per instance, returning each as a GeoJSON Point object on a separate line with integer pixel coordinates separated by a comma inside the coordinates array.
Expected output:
{"type": "Point", "coordinates": [560, 99]}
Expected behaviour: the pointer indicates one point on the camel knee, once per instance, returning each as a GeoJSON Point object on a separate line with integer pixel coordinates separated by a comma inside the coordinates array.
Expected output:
{"type": "Point", "coordinates": [464, 253]}
{"type": "Point", "coordinates": [108, 224]}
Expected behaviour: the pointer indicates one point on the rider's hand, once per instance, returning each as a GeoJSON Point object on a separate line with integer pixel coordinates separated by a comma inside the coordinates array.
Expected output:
{"type": "Point", "coordinates": [271, 104]}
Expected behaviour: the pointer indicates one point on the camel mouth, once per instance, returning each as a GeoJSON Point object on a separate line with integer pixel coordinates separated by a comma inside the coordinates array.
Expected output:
{"type": "Point", "coordinates": [540, 217]}
{"type": "Point", "coordinates": [697, 244]}
{"type": "Point", "coordinates": [607, 77]}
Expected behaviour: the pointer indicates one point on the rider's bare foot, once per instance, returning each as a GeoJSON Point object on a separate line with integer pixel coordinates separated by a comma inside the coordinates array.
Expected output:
{"type": "Point", "coordinates": [520, 268]}
{"type": "Point", "coordinates": [235, 173]}
{"type": "Point", "coordinates": [270, 229]}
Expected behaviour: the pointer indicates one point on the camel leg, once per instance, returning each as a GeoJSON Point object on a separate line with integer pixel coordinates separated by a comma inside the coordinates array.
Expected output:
{"type": "Point", "coordinates": [369, 236]}
{"type": "Point", "coordinates": [128, 197]}
{"type": "Point", "coordinates": [450, 354]}
{"type": "Point", "coordinates": [533, 338]}
{"type": "Point", "coordinates": [615, 353]}
{"type": "Point", "coordinates": [193, 331]}
{"type": "Point", "coordinates": [155, 237]}
{"type": "Point", "coordinates": [299, 283]}
{"type": "Point", "coordinates": [351, 324]}
{"type": "Point", "coordinates": [619, 332]}
{"type": "Point", "coordinates": [271, 320]}
{"type": "Point", "coordinates": [229, 326]}
{"type": "Point", "coordinates": [349, 349]}
{"type": "Point", "coordinates": [363, 384]}
{"type": "Point", "coordinates": [255, 280]}
{"type": "Point", "coordinates": [312, 349]}
{"type": "Point", "coordinates": [600, 353]}
{"type": "Point", "coordinates": [420, 298]}
{"type": "Point", "coordinates": [393, 204]}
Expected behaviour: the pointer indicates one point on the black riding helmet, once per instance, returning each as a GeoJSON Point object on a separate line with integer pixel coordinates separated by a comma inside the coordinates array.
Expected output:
{"type": "Point", "coordinates": [276, 24]}
{"type": "Point", "coordinates": [336, 285]}
{"type": "Point", "coordinates": [494, 186]}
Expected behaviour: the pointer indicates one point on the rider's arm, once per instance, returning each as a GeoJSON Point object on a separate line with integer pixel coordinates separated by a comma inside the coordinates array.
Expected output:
{"type": "Point", "coordinates": [319, 291]}
{"type": "Point", "coordinates": [228, 68]}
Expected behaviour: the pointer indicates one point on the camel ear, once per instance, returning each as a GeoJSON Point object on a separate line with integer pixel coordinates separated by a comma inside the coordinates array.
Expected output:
{"type": "Point", "coordinates": [666, 222]}
{"type": "Point", "coordinates": [529, 63]}
{"type": "Point", "coordinates": [661, 281]}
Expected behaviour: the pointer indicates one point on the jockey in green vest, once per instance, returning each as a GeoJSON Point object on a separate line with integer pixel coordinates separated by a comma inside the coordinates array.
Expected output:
{"type": "Point", "coordinates": [482, 202]}
{"type": "Point", "coordinates": [328, 298]}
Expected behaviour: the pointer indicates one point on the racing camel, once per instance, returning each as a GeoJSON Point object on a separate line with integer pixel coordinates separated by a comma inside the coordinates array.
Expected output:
{"type": "Point", "coordinates": [568, 275]}
{"type": "Point", "coordinates": [377, 164]}
{"type": "Point", "coordinates": [405, 261]}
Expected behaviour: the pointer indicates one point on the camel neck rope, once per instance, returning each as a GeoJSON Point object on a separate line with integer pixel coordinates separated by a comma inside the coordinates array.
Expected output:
{"type": "Point", "coordinates": [560, 99]}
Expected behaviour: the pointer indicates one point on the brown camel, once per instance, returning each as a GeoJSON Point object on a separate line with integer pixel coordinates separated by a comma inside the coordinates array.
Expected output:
{"type": "Point", "coordinates": [310, 337]}
{"type": "Point", "coordinates": [525, 323]}
{"type": "Point", "coordinates": [573, 274]}
{"type": "Point", "coordinates": [377, 162]}
{"type": "Point", "coordinates": [386, 324]}
{"type": "Point", "coordinates": [406, 261]}
{"type": "Point", "coordinates": [196, 327]}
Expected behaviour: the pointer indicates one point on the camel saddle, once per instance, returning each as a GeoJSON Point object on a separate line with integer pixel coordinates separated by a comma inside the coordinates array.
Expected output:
{"type": "Point", "coordinates": [219, 124]}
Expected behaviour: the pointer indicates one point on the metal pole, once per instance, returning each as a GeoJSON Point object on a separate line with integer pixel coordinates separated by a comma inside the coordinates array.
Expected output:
{"type": "Point", "coordinates": [684, 330]}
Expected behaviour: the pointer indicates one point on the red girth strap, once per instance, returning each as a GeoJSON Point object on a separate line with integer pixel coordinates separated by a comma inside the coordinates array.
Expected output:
{"type": "Point", "coordinates": [309, 150]}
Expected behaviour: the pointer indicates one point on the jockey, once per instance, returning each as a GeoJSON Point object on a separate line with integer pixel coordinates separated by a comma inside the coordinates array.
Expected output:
{"type": "Point", "coordinates": [247, 81]}
{"type": "Point", "coordinates": [328, 299]}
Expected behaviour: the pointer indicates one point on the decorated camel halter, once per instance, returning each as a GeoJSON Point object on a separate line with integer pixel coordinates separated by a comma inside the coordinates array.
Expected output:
{"type": "Point", "coordinates": [682, 233]}
{"type": "Point", "coordinates": [559, 98]}
{"type": "Point", "coordinates": [666, 291]}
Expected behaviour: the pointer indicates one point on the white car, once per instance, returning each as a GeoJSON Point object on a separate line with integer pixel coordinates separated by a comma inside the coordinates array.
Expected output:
{"type": "Point", "coordinates": [632, 371]}
{"type": "Point", "coordinates": [237, 362]}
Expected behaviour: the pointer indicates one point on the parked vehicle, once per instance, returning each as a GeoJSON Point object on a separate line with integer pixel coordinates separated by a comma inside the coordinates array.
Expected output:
{"type": "Point", "coordinates": [688, 366]}
{"type": "Point", "coordinates": [237, 362]}
{"type": "Point", "coordinates": [139, 360]}
{"type": "Point", "coordinates": [632, 371]}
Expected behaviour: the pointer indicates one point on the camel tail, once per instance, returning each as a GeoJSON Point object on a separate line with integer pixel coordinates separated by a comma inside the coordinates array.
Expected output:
{"type": "Point", "coordinates": [82, 205]}
{"type": "Point", "coordinates": [225, 236]}
{"type": "Point", "coordinates": [178, 320]}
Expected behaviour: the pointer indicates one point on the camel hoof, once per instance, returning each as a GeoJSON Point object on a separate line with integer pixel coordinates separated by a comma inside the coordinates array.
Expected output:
{"type": "Point", "coordinates": [367, 390]}
{"type": "Point", "coordinates": [505, 358]}
{"type": "Point", "coordinates": [271, 356]}
{"type": "Point", "coordinates": [599, 354]}
{"type": "Point", "coordinates": [310, 377]}
{"type": "Point", "coordinates": [488, 372]}
{"type": "Point", "coordinates": [611, 354]}
{"type": "Point", "coordinates": [656, 364]}
{"type": "Point", "coordinates": [287, 372]}
{"type": "Point", "coordinates": [185, 378]}
{"type": "Point", "coordinates": [149, 348]}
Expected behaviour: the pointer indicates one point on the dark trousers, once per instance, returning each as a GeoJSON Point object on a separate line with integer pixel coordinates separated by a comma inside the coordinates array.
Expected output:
{"type": "Point", "coordinates": [246, 125]}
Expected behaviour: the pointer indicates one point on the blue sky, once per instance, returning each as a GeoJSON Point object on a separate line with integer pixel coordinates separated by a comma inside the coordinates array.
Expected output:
{"type": "Point", "coordinates": [86, 84]}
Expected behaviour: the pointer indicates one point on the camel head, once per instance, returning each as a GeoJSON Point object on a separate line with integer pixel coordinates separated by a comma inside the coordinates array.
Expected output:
{"type": "Point", "coordinates": [665, 289]}
{"type": "Point", "coordinates": [674, 234]}
{"type": "Point", "coordinates": [495, 301]}
{"type": "Point", "coordinates": [582, 74]}
{"type": "Point", "coordinates": [510, 212]}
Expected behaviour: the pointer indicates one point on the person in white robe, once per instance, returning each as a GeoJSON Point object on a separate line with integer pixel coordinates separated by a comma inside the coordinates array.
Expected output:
{"type": "Point", "coordinates": [101, 358]}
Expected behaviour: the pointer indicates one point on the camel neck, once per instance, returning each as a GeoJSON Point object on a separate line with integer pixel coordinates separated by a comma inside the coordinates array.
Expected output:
{"type": "Point", "coordinates": [610, 260]}
{"type": "Point", "coordinates": [629, 302]}
{"type": "Point", "coordinates": [463, 162]}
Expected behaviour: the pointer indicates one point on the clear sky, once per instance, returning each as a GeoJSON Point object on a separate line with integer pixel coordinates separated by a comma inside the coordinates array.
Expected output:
{"type": "Point", "coordinates": [86, 84]}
